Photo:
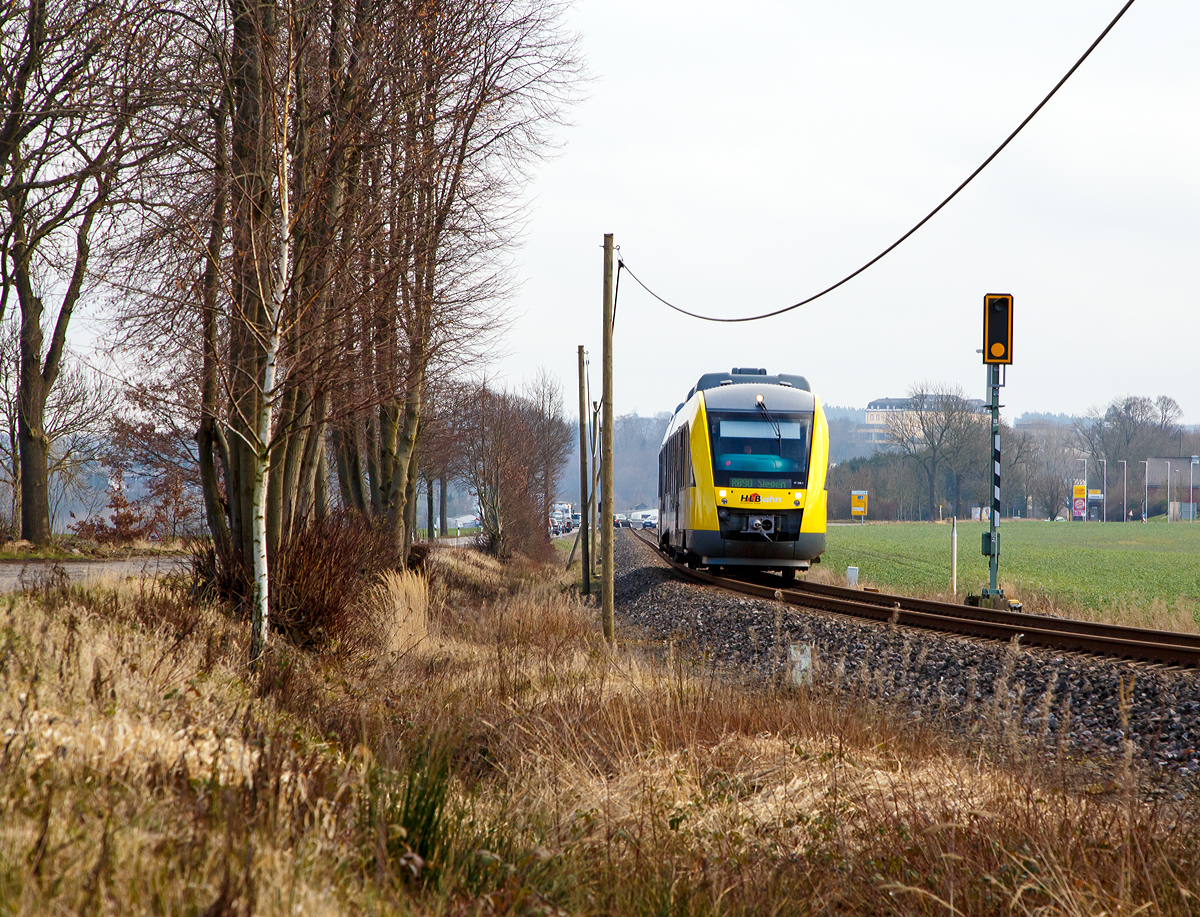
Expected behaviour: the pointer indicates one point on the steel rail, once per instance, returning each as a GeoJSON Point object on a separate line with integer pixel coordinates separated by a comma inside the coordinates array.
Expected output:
{"type": "Point", "coordinates": [1057, 633]}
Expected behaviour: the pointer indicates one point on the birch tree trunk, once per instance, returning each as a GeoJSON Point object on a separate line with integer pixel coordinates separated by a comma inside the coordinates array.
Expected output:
{"type": "Point", "coordinates": [268, 392]}
{"type": "Point", "coordinates": [260, 614]}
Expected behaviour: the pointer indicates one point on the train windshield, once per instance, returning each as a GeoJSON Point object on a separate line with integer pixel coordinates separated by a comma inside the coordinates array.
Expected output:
{"type": "Point", "coordinates": [760, 449]}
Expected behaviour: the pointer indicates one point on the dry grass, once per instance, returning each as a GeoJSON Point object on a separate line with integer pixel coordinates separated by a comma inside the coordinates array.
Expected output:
{"type": "Point", "coordinates": [399, 606]}
{"type": "Point", "coordinates": [138, 774]}
{"type": "Point", "coordinates": [1182, 615]}
{"type": "Point", "coordinates": [492, 756]}
{"type": "Point", "coordinates": [72, 548]}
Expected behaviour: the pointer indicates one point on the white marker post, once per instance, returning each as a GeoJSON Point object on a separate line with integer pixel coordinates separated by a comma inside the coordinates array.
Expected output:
{"type": "Point", "coordinates": [954, 555]}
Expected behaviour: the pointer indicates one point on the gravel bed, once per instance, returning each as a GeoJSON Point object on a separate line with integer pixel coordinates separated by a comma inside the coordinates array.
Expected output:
{"type": "Point", "coordinates": [980, 688]}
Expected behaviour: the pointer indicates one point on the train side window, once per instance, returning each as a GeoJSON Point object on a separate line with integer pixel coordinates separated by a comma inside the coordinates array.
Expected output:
{"type": "Point", "coordinates": [666, 465]}
{"type": "Point", "coordinates": [683, 457]}
{"type": "Point", "coordinates": [671, 464]}
{"type": "Point", "coordinates": [674, 463]}
{"type": "Point", "coordinates": [689, 471]}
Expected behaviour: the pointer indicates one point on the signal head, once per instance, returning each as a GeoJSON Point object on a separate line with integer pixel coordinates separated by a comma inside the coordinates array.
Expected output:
{"type": "Point", "coordinates": [997, 327]}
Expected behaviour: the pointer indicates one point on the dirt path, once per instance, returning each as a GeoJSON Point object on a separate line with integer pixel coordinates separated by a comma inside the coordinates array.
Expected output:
{"type": "Point", "coordinates": [15, 575]}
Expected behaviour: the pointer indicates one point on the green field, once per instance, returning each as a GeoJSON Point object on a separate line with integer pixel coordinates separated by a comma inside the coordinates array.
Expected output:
{"type": "Point", "coordinates": [1068, 565]}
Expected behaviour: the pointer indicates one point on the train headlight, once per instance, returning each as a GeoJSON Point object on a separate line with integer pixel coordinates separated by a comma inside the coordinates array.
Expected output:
{"type": "Point", "coordinates": [721, 493]}
{"type": "Point", "coordinates": [724, 501]}
{"type": "Point", "coordinates": [796, 503]}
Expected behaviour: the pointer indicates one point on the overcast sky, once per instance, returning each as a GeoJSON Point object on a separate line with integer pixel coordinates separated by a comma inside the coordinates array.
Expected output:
{"type": "Point", "coordinates": [745, 160]}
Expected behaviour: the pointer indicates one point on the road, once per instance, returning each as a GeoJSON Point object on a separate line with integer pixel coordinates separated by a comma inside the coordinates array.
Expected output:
{"type": "Point", "coordinates": [14, 574]}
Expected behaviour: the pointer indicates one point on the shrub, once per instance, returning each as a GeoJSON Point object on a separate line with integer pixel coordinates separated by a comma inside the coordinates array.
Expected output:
{"type": "Point", "coordinates": [126, 522]}
{"type": "Point", "coordinates": [214, 581]}
{"type": "Point", "coordinates": [319, 576]}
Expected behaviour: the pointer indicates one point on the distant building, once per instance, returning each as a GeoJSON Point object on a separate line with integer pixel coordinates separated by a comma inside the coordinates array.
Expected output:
{"type": "Point", "coordinates": [875, 429]}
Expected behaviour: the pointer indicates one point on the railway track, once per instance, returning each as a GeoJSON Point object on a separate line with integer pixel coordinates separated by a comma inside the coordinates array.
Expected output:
{"type": "Point", "coordinates": [1157, 646]}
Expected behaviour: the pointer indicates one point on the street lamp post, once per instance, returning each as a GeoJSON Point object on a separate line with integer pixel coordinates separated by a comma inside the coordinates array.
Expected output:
{"type": "Point", "coordinates": [1146, 485]}
{"type": "Point", "coordinates": [1124, 490]}
{"type": "Point", "coordinates": [1104, 499]}
{"type": "Point", "coordinates": [1168, 483]}
{"type": "Point", "coordinates": [1191, 504]}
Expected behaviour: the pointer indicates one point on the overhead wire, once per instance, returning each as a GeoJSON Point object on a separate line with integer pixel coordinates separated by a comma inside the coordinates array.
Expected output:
{"type": "Point", "coordinates": [617, 291]}
{"type": "Point", "coordinates": [953, 194]}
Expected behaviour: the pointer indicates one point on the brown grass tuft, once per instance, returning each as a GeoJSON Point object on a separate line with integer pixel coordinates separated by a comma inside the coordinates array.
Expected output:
{"type": "Point", "coordinates": [398, 606]}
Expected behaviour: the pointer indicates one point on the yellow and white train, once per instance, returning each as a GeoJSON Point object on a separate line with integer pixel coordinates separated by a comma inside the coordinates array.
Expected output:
{"type": "Point", "coordinates": [741, 474]}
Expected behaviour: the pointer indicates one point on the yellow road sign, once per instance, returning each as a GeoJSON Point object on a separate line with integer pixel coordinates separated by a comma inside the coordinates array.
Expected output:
{"type": "Point", "coordinates": [858, 503]}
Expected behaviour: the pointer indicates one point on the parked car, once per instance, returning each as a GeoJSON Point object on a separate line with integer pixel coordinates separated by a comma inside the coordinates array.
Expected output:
{"type": "Point", "coordinates": [649, 523]}
{"type": "Point", "coordinates": [620, 520]}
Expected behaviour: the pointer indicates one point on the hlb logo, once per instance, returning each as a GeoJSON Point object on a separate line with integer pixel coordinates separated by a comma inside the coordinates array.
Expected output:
{"type": "Point", "coordinates": [751, 498]}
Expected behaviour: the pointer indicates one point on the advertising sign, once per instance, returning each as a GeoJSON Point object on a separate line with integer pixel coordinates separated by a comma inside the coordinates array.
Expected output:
{"type": "Point", "coordinates": [858, 502]}
{"type": "Point", "coordinates": [1078, 504]}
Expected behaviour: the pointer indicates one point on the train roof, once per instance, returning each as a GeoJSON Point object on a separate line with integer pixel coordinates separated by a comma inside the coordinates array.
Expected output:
{"type": "Point", "coordinates": [743, 396]}
{"type": "Point", "coordinates": [741, 377]}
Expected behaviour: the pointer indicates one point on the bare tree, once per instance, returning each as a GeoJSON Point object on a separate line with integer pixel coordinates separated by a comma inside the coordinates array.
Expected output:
{"type": "Point", "coordinates": [552, 436]}
{"type": "Point", "coordinates": [77, 413]}
{"type": "Point", "coordinates": [328, 232]}
{"type": "Point", "coordinates": [1129, 429]}
{"type": "Point", "coordinates": [968, 454]}
{"type": "Point", "coordinates": [77, 77]}
{"type": "Point", "coordinates": [480, 82]}
{"type": "Point", "coordinates": [506, 464]}
{"type": "Point", "coordinates": [938, 429]}
{"type": "Point", "coordinates": [497, 460]}
{"type": "Point", "coordinates": [1055, 459]}
{"type": "Point", "coordinates": [1017, 455]}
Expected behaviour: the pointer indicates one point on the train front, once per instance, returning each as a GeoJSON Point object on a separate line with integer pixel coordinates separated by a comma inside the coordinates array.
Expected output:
{"type": "Point", "coordinates": [760, 452]}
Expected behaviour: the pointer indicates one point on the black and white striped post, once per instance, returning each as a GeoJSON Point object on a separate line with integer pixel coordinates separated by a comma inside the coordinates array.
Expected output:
{"type": "Point", "coordinates": [994, 540]}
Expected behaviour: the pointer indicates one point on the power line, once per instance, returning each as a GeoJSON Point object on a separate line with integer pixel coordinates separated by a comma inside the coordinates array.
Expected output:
{"type": "Point", "coordinates": [953, 194]}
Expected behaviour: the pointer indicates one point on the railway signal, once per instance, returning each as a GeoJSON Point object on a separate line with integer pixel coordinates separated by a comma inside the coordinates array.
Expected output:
{"type": "Point", "coordinates": [997, 351]}
{"type": "Point", "coordinates": [997, 328]}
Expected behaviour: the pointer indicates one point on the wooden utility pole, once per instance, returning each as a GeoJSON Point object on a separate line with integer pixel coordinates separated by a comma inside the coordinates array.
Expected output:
{"type": "Point", "coordinates": [595, 479]}
{"type": "Point", "coordinates": [606, 454]}
{"type": "Point", "coordinates": [583, 477]}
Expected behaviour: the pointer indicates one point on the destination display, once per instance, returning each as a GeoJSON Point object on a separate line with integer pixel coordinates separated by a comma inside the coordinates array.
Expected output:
{"type": "Point", "coordinates": [775, 483]}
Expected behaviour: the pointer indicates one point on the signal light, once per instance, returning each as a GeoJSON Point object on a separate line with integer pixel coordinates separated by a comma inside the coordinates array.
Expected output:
{"type": "Point", "coordinates": [997, 328]}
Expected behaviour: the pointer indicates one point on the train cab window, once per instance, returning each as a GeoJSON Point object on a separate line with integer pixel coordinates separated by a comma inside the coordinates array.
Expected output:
{"type": "Point", "coordinates": [751, 449]}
